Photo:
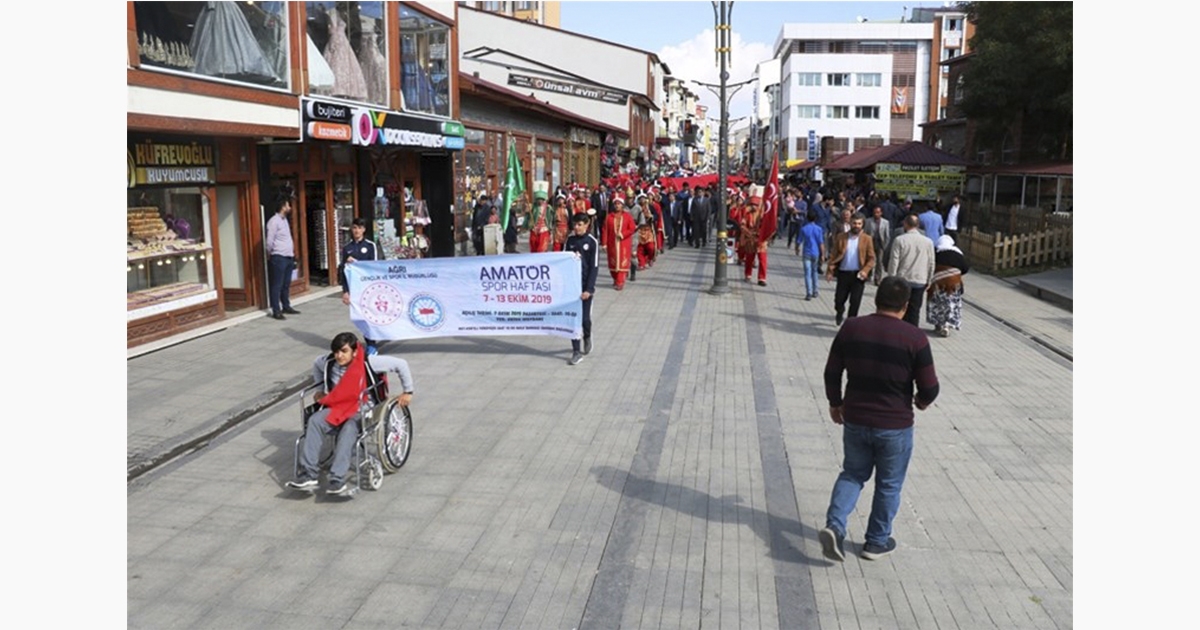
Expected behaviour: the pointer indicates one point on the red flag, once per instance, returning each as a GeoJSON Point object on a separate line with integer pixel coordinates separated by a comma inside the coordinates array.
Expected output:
{"type": "Point", "coordinates": [770, 220]}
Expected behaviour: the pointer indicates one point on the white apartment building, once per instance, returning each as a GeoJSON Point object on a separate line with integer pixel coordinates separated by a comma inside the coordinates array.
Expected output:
{"type": "Point", "coordinates": [764, 129]}
{"type": "Point", "coordinates": [852, 86]}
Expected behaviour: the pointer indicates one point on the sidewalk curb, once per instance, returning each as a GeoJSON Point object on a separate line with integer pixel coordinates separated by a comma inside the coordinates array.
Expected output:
{"type": "Point", "coordinates": [248, 410]}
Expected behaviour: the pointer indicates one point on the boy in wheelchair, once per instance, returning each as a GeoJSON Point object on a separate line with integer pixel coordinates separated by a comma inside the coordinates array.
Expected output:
{"type": "Point", "coordinates": [342, 377]}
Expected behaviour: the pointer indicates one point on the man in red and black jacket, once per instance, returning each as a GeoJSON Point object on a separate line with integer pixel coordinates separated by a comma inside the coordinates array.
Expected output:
{"type": "Point", "coordinates": [884, 358]}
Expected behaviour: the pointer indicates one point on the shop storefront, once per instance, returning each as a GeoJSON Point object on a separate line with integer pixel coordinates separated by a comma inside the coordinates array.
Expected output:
{"type": "Point", "coordinates": [393, 169]}
{"type": "Point", "coordinates": [552, 144]}
{"type": "Point", "coordinates": [186, 235]}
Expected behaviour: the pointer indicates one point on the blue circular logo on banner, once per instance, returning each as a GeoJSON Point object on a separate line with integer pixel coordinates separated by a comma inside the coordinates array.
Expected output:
{"type": "Point", "coordinates": [426, 312]}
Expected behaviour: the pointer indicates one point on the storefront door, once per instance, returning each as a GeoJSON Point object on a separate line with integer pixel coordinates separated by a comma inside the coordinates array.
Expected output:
{"type": "Point", "coordinates": [316, 224]}
{"type": "Point", "coordinates": [230, 234]}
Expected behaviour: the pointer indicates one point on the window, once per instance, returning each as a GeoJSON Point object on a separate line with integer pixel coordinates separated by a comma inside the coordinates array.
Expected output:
{"type": "Point", "coordinates": [867, 112]}
{"type": "Point", "coordinates": [237, 41]}
{"type": "Point", "coordinates": [808, 111]}
{"type": "Point", "coordinates": [494, 7]}
{"type": "Point", "coordinates": [838, 79]}
{"type": "Point", "coordinates": [837, 47]}
{"type": "Point", "coordinates": [837, 111]}
{"type": "Point", "coordinates": [348, 51]}
{"type": "Point", "coordinates": [868, 143]}
{"type": "Point", "coordinates": [424, 63]}
{"type": "Point", "coordinates": [959, 91]}
{"type": "Point", "coordinates": [524, 6]}
{"type": "Point", "coordinates": [953, 24]}
{"type": "Point", "coordinates": [808, 78]}
{"type": "Point", "coordinates": [169, 256]}
{"type": "Point", "coordinates": [870, 79]}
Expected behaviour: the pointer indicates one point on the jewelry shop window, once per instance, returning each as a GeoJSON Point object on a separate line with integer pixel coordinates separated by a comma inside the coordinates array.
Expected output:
{"type": "Point", "coordinates": [236, 41]}
{"type": "Point", "coordinates": [424, 63]}
{"type": "Point", "coordinates": [168, 250]}
{"type": "Point", "coordinates": [347, 51]}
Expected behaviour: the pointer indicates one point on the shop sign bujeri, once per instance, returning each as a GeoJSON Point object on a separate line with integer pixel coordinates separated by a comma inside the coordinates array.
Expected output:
{"type": "Point", "coordinates": [365, 127]}
{"type": "Point", "coordinates": [156, 161]}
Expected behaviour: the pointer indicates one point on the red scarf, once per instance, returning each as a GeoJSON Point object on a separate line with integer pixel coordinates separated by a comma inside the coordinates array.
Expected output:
{"type": "Point", "coordinates": [343, 400]}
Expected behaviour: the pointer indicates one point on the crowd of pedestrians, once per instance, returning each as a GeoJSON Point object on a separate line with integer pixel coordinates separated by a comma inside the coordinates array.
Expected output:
{"type": "Point", "coordinates": [880, 366]}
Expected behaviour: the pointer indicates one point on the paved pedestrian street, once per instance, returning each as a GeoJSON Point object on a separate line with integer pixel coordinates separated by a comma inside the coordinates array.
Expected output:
{"type": "Point", "coordinates": [676, 478]}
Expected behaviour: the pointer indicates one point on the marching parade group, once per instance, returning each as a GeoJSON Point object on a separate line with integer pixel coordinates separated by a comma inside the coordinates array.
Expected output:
{"type": "Point", "coordinates": [634, 221]}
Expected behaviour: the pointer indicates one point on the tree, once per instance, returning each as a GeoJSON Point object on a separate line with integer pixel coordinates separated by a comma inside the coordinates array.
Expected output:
{"type": "Point", "coordinates": [1020, 76]}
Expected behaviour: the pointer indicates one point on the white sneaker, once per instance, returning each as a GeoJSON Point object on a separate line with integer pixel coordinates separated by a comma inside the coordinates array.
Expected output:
{"type": "Point", "coordinates": [576, 357]}
{"type": "Point", "coordinates": [306, 485]}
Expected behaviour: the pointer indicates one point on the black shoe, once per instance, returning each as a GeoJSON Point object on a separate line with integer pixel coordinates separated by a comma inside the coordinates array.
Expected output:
{"type": "Point", "coordinates": [587, 345]}
{"type": "Point", "coordinates": [762, 283]}
{"type": "Point", "coordinates": [576, 357]}
{"type": "Point", "coordinates": [832, 545]}
{"type": "Point", "coordinates": [291, 311]}
{"type": "Point", "coordinates": [875, 552]}
{"type": "Point", "coordinates": [277, 316]}
{"type": "Point", "coordinates": [337, 488]}
{"type": "Point", "coordinates": [838, 319]}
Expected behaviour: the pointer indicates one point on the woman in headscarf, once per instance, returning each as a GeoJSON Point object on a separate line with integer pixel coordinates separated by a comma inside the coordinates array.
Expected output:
{"type": "Point", "coordinates": [946, 287]}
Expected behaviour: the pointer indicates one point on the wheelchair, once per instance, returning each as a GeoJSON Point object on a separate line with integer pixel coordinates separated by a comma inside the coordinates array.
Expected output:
{"type": "Point", "coordinates": [384, 440]}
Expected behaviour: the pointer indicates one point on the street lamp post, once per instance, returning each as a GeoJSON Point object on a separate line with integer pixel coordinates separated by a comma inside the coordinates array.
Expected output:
{"type": "Point", "coordinates": [720, 272]}
{"type": "Point", "coordinates": [722, 13]}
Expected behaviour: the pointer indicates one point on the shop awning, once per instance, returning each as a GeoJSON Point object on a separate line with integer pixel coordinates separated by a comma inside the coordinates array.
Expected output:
{"type": "Point", "coordinates": [795, 166]}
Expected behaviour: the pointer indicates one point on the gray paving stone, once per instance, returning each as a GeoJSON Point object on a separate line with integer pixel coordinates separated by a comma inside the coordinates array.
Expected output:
{"type": "Point", "coordinates": [523, 468]}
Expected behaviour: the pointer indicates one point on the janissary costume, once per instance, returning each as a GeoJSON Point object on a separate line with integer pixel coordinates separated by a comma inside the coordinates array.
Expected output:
{"type": "Point", "coordinates": [560, 223]}
{"type": "Point", "coordinates": [618, 236]}
{"type": "Point", "coordinates": [736, 208]}
{"type": "Point", "coordinates": [539, 226]}
{"type": "Point", "coordinates": [753, 245]}
{"type": "Point", "coordinates": [647, 242]}
{"type": "Point", "coordinates": [659, 226]}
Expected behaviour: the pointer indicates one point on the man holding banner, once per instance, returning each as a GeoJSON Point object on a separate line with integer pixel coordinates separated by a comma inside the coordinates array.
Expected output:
{"type": "Point", "coordinates": [584, 245]}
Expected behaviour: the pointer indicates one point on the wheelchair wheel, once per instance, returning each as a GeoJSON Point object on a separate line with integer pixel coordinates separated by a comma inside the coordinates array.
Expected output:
{"type": "Point", "coordinates": [374, 474]}
{"type": "Point", "coordinates": [393, 434]}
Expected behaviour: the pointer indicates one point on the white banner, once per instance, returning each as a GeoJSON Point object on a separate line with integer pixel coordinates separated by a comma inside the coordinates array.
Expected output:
{"type": "Point", "coordinates": [512, 294]}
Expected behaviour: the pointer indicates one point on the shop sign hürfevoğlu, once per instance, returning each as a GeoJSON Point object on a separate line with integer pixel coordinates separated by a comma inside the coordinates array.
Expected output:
{"type": "Point", "coordinates": [573, 89]}
{"type": "Point", "coordinates": [162, 161]}
{"type": "Point", "coordinates": [359, 125]}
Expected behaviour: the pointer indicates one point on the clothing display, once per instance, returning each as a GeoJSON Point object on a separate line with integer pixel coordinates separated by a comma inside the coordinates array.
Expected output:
{"type": "Point", "coordinates": [374, 67]}
{"type": "Point", "coordinates": [223, 46]}
{"type": "Point", "coordinates": [348, 81]}
{"type": "Point", "coordinates": [320, 75]}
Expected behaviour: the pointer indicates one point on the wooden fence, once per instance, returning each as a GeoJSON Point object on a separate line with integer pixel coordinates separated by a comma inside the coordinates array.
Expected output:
{"type": "Point", "coordinates": [995, 251]}
{"type": "Point", "coordinates": [1012, 219]}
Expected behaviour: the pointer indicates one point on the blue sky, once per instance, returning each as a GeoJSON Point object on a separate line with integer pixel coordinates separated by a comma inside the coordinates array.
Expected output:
{"type": "Point", "coordinates": [681, 33]}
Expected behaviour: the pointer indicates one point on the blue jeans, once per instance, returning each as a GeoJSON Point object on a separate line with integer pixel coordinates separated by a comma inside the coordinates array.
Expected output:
{"type": "Point", "coordinates": [343, 451]}
{"type": "Point", "coordinates": [279, 280]}
{"type": "Point", "coordinates": [812, 275]}
{"type": "Point", "coordinates": [886, 451]}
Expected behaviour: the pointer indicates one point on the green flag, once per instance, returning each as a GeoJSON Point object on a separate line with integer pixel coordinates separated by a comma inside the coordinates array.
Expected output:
{"type": "Point", "coordinates": [514, 185]}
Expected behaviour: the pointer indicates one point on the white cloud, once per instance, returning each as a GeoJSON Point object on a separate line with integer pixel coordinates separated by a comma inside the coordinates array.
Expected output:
{"type": "Point", "coordinates": [695, 60]}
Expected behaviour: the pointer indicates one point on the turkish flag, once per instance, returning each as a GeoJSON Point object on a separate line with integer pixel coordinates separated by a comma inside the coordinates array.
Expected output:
{"type": "Point", "coordinates": [770, 220]}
